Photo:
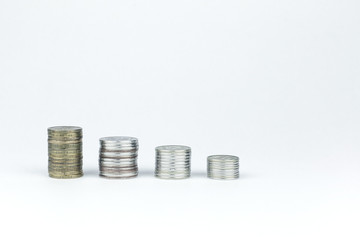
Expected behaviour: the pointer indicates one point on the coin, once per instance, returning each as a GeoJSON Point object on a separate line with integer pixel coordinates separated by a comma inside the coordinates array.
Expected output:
{"type": "Point", "coordinates": [66, 161]}
{"type": "Point", "coordinates": [65, 146]}
{"type": "Point", "coordinates": [118, 139]}
{"type": "Point", "coordinates": [60, 141]}
{"type": "Point", "coordinates": [65, 152]}
{"type": "Point", "coordinates": [223, 167]}
{"type": "Point", "coordinates": [65, 129]}
{"type": "Point", "coordinates": [118, 157]}
{"type": "Point", "coordinates": [172, 148]}
{"type": "Point", "coordinates": [65, 176]}
{"type": "Point", "coordinates": [173, 162]}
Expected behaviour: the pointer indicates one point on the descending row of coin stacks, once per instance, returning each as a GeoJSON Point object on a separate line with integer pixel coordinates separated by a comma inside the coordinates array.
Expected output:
{"type": "Point", "coordinates": [65, 152]}
{"type": "Point", "coordinates": [118, 158]}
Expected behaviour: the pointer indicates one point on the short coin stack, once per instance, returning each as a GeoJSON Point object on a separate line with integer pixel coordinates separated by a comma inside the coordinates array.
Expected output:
{"type": "Point", "coordinates": [65, 152]}
{"type": "Point", "coordinates": [173, 162]}
{"type": "Point", "coordinates": [118, 157]}
{"type": "Point", "coordinates": [223, 167]}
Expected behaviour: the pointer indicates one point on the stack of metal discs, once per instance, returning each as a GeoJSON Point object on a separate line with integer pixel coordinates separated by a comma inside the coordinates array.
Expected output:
{"type": "Point", "coordinates": [65, 152]}
{"type": "Point", "coordinates": [173, 162]}
{"type": "Point", "coordinates": [118, 157]}
{"type": "Point", "coordinates": [223, 167]}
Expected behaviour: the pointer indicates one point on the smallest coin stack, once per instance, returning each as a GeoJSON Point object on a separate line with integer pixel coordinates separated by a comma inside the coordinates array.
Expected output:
{"type": "Point", "coordinates": [223, 167]}
{"type": "Point", "coordinates": [65, 152]}
{"type": "Point", "coordinates": [118, 157]}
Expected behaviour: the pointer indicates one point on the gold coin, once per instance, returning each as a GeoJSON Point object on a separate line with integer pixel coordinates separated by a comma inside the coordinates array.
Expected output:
{"type": "Point", "coordinates": [64, 166]}
{"type": "Point", "coordinates": [65, 170]}
{"type": "Point", "coordinates": [68, 151]}
{"type": "Point", "coordinates": [65, 159]}
{"type": "Point", "coordinates": [80, 162]}
{"type": "Point", "coordinates": [52, 149]}
{"type": "Point", "coordinates": [64, 129]}
{"type": "Point", "coordinates": [60, 142]}
{"type": "Point", "coordinates": [65, 134]}
{"type": "Point", "coordinates": [64, 155]}
{"type": "Point", "coordinates": [64, 144]}
{"type": "Point", "coordinates": [65, 138]}
{"type": "Point", "coordinates": [65, 152]}
{"type": "Point", "coordinates": [63, 176]}
{"type": "Point", "coordinates": [59, 159]}
{"type": "Point", "coordinates": [51, 164]}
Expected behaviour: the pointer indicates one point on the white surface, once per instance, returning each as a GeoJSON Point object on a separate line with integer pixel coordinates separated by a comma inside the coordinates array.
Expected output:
{"type": "Point", "coordinates": [274, 82]}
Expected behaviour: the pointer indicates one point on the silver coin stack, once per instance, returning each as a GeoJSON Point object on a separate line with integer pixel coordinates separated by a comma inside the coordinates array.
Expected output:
{"type": "Point", "coordinates": [223, 167]}
{"type": "Point", "coordinates": [173, 162]}
{"type": "Point", "coordinates": [118, 157]}
{"type": "Point", "coordinates": [65, 152]}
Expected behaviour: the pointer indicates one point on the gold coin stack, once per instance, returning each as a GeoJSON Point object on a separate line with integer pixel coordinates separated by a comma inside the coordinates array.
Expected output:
{"type": "Point", "coordinates": [65, 152]}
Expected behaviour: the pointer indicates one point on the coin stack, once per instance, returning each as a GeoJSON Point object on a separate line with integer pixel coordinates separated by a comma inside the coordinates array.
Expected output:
{"type": "Point", "coordinates": [173, 162]}
{"type": "Point", "coordinates": [223, 167]}
{"type": "Point", "coordinates": [65, 152]}
{"type": "Point", "coordinates": [118, 157]}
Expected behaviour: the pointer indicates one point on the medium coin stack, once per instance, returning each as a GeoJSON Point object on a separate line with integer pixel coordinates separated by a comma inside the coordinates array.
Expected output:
{"type": "Point", "coordinates": [65, 152]}
{"type": "Point", "coordinates": [173, 162]}
{"type": "Point", "coordinates": [223, 167]}
{"type": "Point", "coordinates": [118, 157]}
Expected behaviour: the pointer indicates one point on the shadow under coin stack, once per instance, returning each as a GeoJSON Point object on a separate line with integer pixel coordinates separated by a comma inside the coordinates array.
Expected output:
{"type": "Point", "coordinates": [223, 167]}
{"type": "Point", "coordinates": [173, 162]}
{"type": "Point", "coordinates": [65, 152]}
{"type": "Point", "coordinates": [118, 157]}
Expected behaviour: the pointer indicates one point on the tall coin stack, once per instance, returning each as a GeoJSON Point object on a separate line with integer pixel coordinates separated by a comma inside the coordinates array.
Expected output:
{"type": "Point", "coordinates": [118, 157]}
{"type": "Point", "coordinates": [65, 152]}
{"type": "Point", "coordinates": [173, 162]}
{"type": "Point", "coordinates": [223, 167]}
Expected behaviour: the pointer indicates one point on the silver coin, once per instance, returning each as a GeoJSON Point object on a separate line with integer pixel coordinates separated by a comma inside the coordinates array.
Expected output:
{"type": "Point", "coordinates": [118, 157]}
{"type": "Point", "coordinates": [172, 162]}
{"type": "Point", "coordinates": [115, 165]}
{"type": "Point", "coordinates": [119, 148]}
{"type": "Point", "coordinates": [165, 175]}
{"type": "Point", "coordinates": [223, 158]}
{"type": "Point", "coordinates": [122, 144]}
{"type": "Point", "coordinates": [118, 139]}
{"type": "Point", "coordinates": [223, 167]}
{"type": "Point", "coordinates": [172, 148]}
{"type": "Point", "coordinates": [118, 176]}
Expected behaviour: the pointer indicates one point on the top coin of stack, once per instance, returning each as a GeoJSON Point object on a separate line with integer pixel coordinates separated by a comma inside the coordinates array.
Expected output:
{"type": "Point", "coordinates": [118, 157]}
{"type": "Point", "coordinates": [173, 162]}
{"type": "Point", "coordinates": [65, 152]}
{"type": "Point", "coordinates": [223, 167]}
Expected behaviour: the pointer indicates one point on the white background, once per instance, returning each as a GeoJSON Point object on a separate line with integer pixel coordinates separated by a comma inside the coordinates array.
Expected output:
{"type": "Point", "coordinates": [274, 82]}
